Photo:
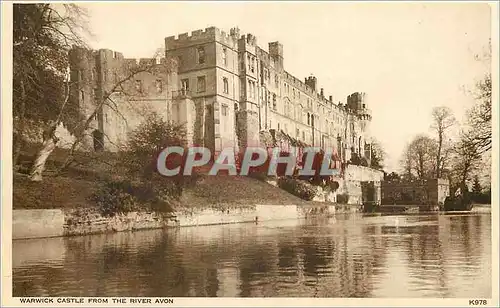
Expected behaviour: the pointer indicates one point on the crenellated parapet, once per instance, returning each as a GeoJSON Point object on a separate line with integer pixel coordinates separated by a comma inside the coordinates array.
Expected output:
{"type": "Point", "coordinates": [202, 36]}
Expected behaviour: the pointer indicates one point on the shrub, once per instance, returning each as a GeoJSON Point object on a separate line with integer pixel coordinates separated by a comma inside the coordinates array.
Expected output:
{"type": "Point", "coordinates": [298, 188]}
{"type": "Point", "coordinates": [121, 197]}
{"type": "Point", "coordinates": [139, 155]}
{"type": "Point", "coordinates": [343, 198]}
{"type": "Point", "coordinates": [139, 158]}
{"type": "Point", "coordinates": [113, 198]}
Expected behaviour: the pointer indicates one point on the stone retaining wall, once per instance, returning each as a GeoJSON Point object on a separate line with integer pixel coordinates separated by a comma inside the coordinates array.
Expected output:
{"type": "Point", "coordinates": [37, 223]}
{"type": "Point", "coordinates": [51, 223]}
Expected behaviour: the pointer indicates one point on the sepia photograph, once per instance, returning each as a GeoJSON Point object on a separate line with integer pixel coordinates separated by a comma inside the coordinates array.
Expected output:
{"type": "Point", "coordinates": [153, 151]}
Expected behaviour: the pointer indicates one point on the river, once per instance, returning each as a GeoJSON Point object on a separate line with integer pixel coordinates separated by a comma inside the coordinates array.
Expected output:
{"type": "Point", "coordinates": [349, 255]}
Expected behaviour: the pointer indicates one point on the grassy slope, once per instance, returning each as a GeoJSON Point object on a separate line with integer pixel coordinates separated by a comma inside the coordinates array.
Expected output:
{"type": "Point", "coordinates": [236, 190]}
{"type": "Point", "coordinates": [73, 188]}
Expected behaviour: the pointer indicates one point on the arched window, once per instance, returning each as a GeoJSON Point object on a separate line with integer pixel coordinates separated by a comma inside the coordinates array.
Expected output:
{"type": "Point", "coordinates": [224, 56]}
{"type": "Point", "coordinates": [226, 85]}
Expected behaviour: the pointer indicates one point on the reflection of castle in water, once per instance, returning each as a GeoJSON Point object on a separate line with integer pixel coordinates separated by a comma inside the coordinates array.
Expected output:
{"type": "Point", "coordinates": [342, 259]}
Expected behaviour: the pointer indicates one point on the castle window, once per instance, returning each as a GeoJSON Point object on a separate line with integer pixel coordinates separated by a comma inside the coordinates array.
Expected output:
{"type": "Point", "coordinates": [364, 106]}
{"type": "Point", "coordinates": [224, 56]}
{"type": "Point", "coordinates": [74, 75]}
{"type": "Point", "coordinates": [303, 135]}
{"type": "Point", "coordinates": [201, 84]}
{"type": "Point", "coordinates": [201, 55]}
{"type": "Point", "coordinates": [185, 85]}
{"type": "Point", "coordinates": [308, 119]}
{"type": "Point", "coordinates": [297, 133]}
{"type": "Point", "coordinates": [224, 110]}
{"type": "Point", "coordinates": [138, 85]}
{"type": "Point", "coordinates": [82, 96]}
{"type": "Point", "coordinates": [278, 126]}
{"type": "Point", "coordinates": [159, 85]}
{"type": "Point", "coordinates": [251, 89]}
{"type": "Point", "coordinates": [226, 85]}
{"type": "Point", "coordinates": [253, 65]}
{"type": "Point", "coordinates": [274, 102]}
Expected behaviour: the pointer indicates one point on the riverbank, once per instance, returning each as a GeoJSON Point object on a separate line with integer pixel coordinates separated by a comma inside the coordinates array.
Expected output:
{"type": "Point", "coordinates": [64, 204]}
{"type": "Point", "coordinates": [42, 223]}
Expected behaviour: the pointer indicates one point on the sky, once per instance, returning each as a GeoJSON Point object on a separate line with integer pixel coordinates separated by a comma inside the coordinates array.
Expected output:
{"type": "Point", "coordinates": [406, 57]}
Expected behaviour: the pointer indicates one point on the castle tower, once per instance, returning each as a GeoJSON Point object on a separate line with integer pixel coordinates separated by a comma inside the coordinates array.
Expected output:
{"type": "Point", "coordinates": [84, 95]}
{"type": "Point", "coordinates": [249, 104]}
{"type": "Point", "coordinates": [208, 84]}
{"type": "Point", "coordinates": [356, 103]}
{"type": "Point", "coordinates": [276, 53]}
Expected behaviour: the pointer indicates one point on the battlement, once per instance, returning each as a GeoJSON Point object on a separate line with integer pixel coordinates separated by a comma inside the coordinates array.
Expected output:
{"type": "Point", "coordinates": [249, 39]}
{"type": "Point", "coordinates": [356, 97]}
{"type": "Point", "coordinates": [202, 35]}
{"type": "Point", "coordinates": [77, 54]}
{"type": "Point", "coordinates": [195, 34]}
{"type": "Point", "coordinates": [276, 49]}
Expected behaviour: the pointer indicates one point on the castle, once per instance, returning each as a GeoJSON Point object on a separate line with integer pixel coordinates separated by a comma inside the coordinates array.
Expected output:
{"type": "Point", "coordinates": [227, 90]}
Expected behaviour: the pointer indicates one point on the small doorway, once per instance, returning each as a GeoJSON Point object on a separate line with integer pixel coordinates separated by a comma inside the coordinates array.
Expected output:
{"type": "Point", "coordinates": [98, 138]}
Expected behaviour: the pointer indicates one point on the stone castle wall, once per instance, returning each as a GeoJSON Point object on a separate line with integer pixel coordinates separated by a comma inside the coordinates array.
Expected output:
{"type": "Point", "coordinates": [223, 87]}
{"type": "Point", "coordinates": [432, 191]}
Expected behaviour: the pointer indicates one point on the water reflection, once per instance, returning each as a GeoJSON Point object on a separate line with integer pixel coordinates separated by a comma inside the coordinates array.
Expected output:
{"type": "Point", "coordinates": [349, 256]}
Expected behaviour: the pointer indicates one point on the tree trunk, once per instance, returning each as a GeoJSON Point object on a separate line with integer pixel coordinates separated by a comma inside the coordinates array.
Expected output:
{"type": "Point", "coordinates": [438, 158]}
{"type": "Point", "coordinates": [20, 128]}
{"type": "Point", "coordinates": [49, 144]}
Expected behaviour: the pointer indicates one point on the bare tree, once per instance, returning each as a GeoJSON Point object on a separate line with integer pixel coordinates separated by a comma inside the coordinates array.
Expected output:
{"type": "Point", "coordinates": [81, 130]}
{"type": "Point", "coordinates": [480, 116]}
{"type": "Point", "coordinates": [466, 159]}
{"type": "Point", "coordinates": [377, 156]}
{"type": "Point", "coordinates": [443, 120]}
{"type": "Point", "coordinates": [406, 163]}
{"type": "Point", "coordinates": [42, 34]}
{"type": "Point", "coordinates": [418, 158]}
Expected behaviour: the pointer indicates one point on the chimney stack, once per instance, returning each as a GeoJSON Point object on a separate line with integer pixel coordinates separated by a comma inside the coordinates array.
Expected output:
{"type": "Point", "coordinates": [330, 98]}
